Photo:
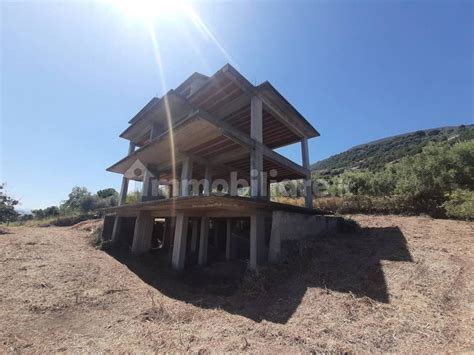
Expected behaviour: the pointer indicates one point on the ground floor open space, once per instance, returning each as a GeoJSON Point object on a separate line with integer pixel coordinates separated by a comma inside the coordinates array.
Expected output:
{"type": "Point", "coordinates": [196, 229]}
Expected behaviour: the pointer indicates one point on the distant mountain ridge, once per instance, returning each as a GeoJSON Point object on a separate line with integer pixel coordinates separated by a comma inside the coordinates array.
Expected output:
{"type": "Point", "coordinates": [375, 154]}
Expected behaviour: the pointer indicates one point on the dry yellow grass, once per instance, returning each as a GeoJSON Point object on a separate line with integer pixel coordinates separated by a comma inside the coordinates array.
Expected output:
{"type": "Point", "coordinates": [402, 284]}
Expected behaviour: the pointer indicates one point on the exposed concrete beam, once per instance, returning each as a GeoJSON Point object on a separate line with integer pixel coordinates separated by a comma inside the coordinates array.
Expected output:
{"type": "Point", "coordinates": [233, 155]}
{"type": "Point", "coordinates": [246, 86]}
{"type": "Point", "coordinates": [162, 136]}
{"type": "Point", "coordinates": [239, 137]}
{"type": "Point", "coordinates": [206, 162]}
{"type": "Point", "coordinates": [249, 143]}
{"type": "Point", "coordinates": [234, 105]}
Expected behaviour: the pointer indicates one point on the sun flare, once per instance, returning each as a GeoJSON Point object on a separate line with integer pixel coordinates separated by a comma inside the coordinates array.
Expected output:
{"type": "Point", "coordinates": [152, 9]}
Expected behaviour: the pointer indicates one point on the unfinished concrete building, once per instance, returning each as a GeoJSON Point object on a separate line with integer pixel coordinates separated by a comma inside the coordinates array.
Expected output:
{"type": "Point", "coordinates": [194, 149]}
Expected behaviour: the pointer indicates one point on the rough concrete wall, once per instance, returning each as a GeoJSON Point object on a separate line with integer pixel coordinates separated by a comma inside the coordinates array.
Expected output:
{"type": "Point", "coordinates": [289, 226]}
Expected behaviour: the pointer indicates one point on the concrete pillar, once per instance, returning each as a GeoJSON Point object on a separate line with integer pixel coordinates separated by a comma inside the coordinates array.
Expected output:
{"type": "Point", "coordinates": [175, 189]}
{"type": "Point", "coordinates": [150, 187]}
{"type": "Point", "coordinates": [146, 187]}
{"type": "Point", "coordinates": [257, 241]}
{"type": "Point", "coordinates": [122, 199]}
{"type": "Point", "coordinates": [143, 233]}
{"type": "Point", "coordinates": [154, 131]}
{"type": "Point", "coordinates": [264, 184]}
{"type": "Point", "coordinates": [169, 232]}
{"type": "Point", "coordinates": [230, 245]}
{"type": "Point", "coordinates": [179, 247]}
{"type": "Point", "coordinates": [207, 181]}
{"type": "Point", "coordinates": [131, 148]}
{"type": "Point", "coordinates": [256, 112]}
{"type": "Point", "coordinates": [256, 156]}
{"type": "Point", "coordinates": [123, 191]}
{"type": "Point", "coordinates": [256, 167]}
{"type": "Point", "coordinates": [307, 182]}
{"type": "Point", "coordinates": [203, 241]}
{"type": "Point", "coordinates": [155, 187]}
{"type": "Point", "coordinates": [118, 220]}
{"type": "Point", "coordinates": [186, 176]}
{"type": "Point", "coordinates": [194, 235]}
{"type": "Point", "coordinates": [116, 230]}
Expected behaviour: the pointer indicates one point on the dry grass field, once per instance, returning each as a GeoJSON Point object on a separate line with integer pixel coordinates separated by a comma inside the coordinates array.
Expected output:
{"type": "Point", "coordinates": [400, 284]}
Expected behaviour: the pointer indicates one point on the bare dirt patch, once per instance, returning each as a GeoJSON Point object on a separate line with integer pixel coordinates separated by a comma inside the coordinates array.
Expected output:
{"type": "Point", "coordinates": [400, 284]}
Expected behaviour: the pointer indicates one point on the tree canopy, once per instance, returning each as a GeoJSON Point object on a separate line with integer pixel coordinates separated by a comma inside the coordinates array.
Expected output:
{"type": "Point", "coordinates": [7, 206]}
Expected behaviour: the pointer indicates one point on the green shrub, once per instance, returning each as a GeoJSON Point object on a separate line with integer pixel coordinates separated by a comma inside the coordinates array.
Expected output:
{"type": "Point", "coordinates": [66, 221]}
{"type": "Point", "coordinates": [460, 204]}
{"type": "Point", "coordinates": [420, 183]}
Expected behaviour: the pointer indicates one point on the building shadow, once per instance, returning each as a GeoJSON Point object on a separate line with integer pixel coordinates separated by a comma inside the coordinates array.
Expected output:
{"type": "Point", "coordinates": [347, 263]}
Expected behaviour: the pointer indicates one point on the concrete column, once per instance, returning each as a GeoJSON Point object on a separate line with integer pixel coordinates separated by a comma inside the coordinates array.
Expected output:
{"type": "Point", "coordinates": [256, 167]}
{"type": "Point", "coordinates": [175, 189]}
{"type": "Point", "coordinates": [207, 181]}
{"type": "Point", "coordinates": [154, 130]}
{"type": "Point", "coordinates": [143, 232]}
{"type": "Point", "coordinates": [123, 191]}
{"type": "Point", "coordinates": [170, 223]}
{"type": "Point", "coordinates": [230, 251]}
{"type": "Point", "coordinates": [150, 187]}
{"type": "Point", "coordinates": [264, 183]}
{"type": "Point", "coordinates": [256, 112]}
{"type": "Point", "coordinates": [256, 156]}
{"type": "Point", "coordinates": [146, 187]}
{"type": "Point", "coordinates": [131, 147]}
{"type": "Point", "coordinates": [257, 241]}
{"type": "Point", "coordinates": [116, 230]}
{"type": "Point", "coordinates": [122, 199]}
{"type": "Point", "coordinates": [186, 175]}
{"type": "Point", "coordinates": [118, 220]}
{"type": "Point", "coordinates": [155, 187]}
{"type": "Point", "coordinates": [194, 235]}
{"type": "Point", "coordinates": [307, 182]}
{"type": "Point", "coordinates": [203, 240]}
{"type": "Point", "coordinates": [179, 247]}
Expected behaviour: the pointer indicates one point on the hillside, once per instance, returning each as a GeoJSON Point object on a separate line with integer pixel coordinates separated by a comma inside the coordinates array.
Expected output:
{"type": "Point", "coordinates": [376, 154]}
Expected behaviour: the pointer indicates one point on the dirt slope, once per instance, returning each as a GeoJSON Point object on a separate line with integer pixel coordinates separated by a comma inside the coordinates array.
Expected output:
{"type": "Point", "coordinates": [401, 284]}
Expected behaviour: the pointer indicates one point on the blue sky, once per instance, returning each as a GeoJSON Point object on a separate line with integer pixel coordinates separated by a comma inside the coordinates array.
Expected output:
{"type": "Point", "coordinates": [74, 73]}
